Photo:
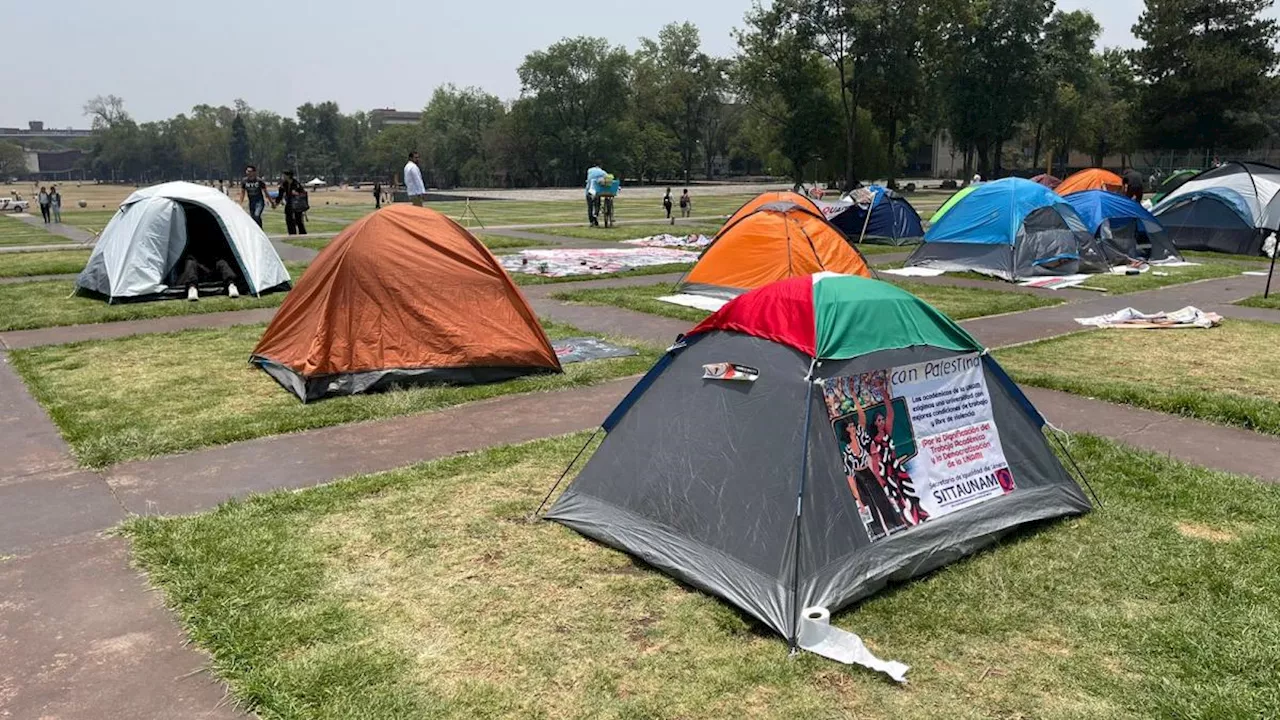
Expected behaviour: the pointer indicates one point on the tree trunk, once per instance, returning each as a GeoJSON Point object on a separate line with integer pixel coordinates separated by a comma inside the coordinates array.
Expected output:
{"type": "Point", "coordinates": [1035, 153]}
{"type": "Point", "coordinates": [968, 163]}
{"type": "Point", "coordinates": [984, 158]}
{"type": "Point", "coordinates": [893, 146]}
{"type": "Point", "coordinates": [999, 165]}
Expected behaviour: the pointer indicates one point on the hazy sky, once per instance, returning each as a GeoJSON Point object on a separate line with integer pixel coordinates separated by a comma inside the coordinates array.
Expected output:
{"type": "Point", "coordinates": [164, 57]}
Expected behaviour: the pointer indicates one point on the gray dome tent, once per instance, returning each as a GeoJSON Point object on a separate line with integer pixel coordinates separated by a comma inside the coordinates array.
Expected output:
{"type": "Point", "coordinates": [864, 439]}
{"type": "Point", "coordinates": [139, 253]}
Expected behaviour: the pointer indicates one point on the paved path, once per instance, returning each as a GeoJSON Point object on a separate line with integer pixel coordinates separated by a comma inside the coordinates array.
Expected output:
{"type": "Point", "coordinates": [82, 634]}
{"type": "Point", "coordinates": [42, 248]}
{"type": "Point", "coordinates": [70, 232]}
{"type": "Point", "coordinates": [293, 253]}
{"type": "Point", "coordinates": [17, 339]}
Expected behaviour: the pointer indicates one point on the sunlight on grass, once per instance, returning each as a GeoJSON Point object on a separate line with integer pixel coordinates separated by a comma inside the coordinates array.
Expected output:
{"type": "Point", "coordinates": [195, 388]}
{"type": "Point", "coordinates": [1267, 303]}
{"type": "Point", "coordinates": [424, 593]}
{"type": "Point", "coordinates": [956, 302]}
{"type": "Point", "coordinates": [14, 232]}
{"type": "Point", "coordinates": [1123, 284]}
{"type": "Point", "coordinates": [1222, 375]}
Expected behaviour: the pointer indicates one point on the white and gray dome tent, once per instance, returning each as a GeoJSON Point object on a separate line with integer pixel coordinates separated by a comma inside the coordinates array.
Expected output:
{"type": "Point", "coordinates": [138, 255]}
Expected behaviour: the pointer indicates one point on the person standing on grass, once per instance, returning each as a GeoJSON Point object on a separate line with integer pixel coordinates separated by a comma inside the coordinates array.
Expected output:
{"type": "Point", "coordinates": [43, 199]}
{"type": "Point", "coordinates": [594, 174]}
{"type": "Point", "coordinates": [686, 204]}
{"type": "Point", "coordinates": [377, 195]}
{"type": "Point", "coordinates": [413, 180]}
{"type": "Point", "coordinates": [666, 205]}
{"type": "Point", "coordinates": [55, 204]}
{"type": "Point", "coordinates": [255, 189]}
{"type": "Point", "coordinates": [296, 203]}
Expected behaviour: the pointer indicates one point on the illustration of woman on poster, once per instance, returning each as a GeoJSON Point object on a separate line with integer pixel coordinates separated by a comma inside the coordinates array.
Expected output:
{"type": "Point", "coordinates": [876, 443]}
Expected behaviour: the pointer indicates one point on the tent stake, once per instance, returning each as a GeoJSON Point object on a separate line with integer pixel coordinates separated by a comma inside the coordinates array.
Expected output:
{"type": "Point", "coordinates": [534, 515]}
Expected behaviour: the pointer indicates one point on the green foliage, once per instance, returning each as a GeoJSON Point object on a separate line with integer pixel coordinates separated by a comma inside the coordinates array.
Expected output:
{"type": "Point", "coordinates": [12, 160]}
{"type": "Point", "coordinates": [1209, 67]}
{"type": "Point", "coordinates": [679, 87]}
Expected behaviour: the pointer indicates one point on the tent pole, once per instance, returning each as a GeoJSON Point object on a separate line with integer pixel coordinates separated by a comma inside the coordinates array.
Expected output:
{"type": "Point", "coordinates": [534, 515]}
{"type": "Point", "coordinates": [804, 474]}
{"type": "Point", "coordinates": [1275, 250]}
{"type": "Point", "coordinates": [866, 221]}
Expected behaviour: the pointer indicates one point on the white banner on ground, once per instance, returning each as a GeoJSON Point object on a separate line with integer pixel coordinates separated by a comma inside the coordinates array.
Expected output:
{"type": "Point", "coordinates": [698, 302]}
{"type": "Point", "coordinates": [919, 441]}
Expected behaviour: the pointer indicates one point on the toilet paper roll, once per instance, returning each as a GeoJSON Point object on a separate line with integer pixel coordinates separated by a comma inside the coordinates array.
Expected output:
{"type": "Point", "coordinates": [820, 638]}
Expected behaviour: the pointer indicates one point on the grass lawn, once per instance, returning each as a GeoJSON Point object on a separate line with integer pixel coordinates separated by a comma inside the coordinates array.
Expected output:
{"type": "Point", "coordinates": [958, 303]}
{"type": "Point", "coordinates": [50, 303]}
{"type": "Point", "coordinates": [89, 220]}
{"type": "Point", "coordinates": [493, 242]}
{"type": "Point", "coordinates": [14, 232]}
{"type": "Point", "coordinates": [1124, 284]}
{"type": "Point", "coordinates": [272, 220]}
{"type": "Point", "coordinates": [53, 262]}
{"type": "Point", "coordinates": [1257, 301]}
{"type": "Point", "coordinates": [424, 593]}
{"type": "Point", "coordinates": [1197, 255]}
{"type": "Point", "coordinates": [1222, 375]}
{"type": "Point", "coordinates": [532, 212]}
{"type": "Point", "coordinates": [631, 232]}
{"type": "Point", "coordinates": [208, 394]}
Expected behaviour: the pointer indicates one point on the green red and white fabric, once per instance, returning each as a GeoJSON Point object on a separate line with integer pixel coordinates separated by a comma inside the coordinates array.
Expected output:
{"type": "Point", "coordinates": [838, 317]}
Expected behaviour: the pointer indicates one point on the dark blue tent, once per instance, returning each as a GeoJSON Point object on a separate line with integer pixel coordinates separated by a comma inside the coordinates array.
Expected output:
{"type": "Point", "coordinates": [892, 219]}
{"type": "Point", "coordinates": [1123, 225]}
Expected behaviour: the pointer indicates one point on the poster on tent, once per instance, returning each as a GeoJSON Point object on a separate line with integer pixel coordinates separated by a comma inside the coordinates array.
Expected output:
{"type": "Point", "coordinates": [917, 442]}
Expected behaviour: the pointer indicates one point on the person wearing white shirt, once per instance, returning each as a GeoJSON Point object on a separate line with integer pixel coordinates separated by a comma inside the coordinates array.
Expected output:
{"type": "Point", "coordinates": [413, 180]}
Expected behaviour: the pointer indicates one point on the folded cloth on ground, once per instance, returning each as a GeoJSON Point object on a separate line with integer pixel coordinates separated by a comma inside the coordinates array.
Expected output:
{"type": "Point", "coordinates": [1187, 317]}
{"type": "Point", "coordinates": [569, 262]}
{"type": "Point", "coordinates": [1170, 262]}
{"type": "Point", "coordinates": [914, 271]}
{"type": "Point", "coordinates": [578, 349]}
{"type": "Point", "coordinates": [698, 302]}
{"type": "Point", "coordinates": [671, 241]}
{"type": "Point", "coordinates": [1055, 283]}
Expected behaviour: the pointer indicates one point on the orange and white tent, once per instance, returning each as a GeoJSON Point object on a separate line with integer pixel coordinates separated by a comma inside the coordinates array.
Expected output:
{"type": "Point", "coordinates": [771, 241]}
{"type": "Point", "coordinates": [404, 296]}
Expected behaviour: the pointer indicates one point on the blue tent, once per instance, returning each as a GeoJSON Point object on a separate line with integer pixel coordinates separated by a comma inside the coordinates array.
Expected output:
{"type": "Point", "coordinates": [1012, 229]}
{"type": "Point", "coordinates": [892, 220]}
{"type": "Point", "coordinates": [1123, 225]}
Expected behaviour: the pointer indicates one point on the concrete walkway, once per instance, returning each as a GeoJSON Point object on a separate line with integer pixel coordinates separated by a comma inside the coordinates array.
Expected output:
{"type": "Point", "coordinates": [42, 248]}
{"type": "Point", "coordinates": [70, 232]}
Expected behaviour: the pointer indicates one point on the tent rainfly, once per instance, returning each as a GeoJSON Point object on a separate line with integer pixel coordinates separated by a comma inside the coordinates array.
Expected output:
{"type": "Point", "coordinates": [1231, 209]}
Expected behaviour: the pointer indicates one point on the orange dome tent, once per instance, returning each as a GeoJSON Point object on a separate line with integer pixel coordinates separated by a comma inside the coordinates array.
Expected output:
{"type": "Point", "coordinates": [1091, 179]}
{"type": "Point", "coordinates": [403, 296]}
{"type": "Point", "coordinates": [772, 242]}
{"type": "Point", "coordinates": [774, 196]}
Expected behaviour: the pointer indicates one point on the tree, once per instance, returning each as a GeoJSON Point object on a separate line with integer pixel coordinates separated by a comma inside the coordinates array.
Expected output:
{"type": "Point", "coordinates": [239, 148]}
{"type": "Point", "coordinates": [13, 161]}
{"type": "Point", "coordinates": [901, 33]}
{"type": "Point", "coordinates": [989, 75]}
{"type": "Point", "coordinates": [106, 111]}
{"type": "Point", "coordinates": [1210, 68]}
{"type": "Point", "coordinates": [578, 95]}
{"type": "Point", "coordinates": [1067, 77]}
{"type": "Point", "coordinates": [841, 32]}
{"type": "Point", "coordinates": [783, 82]}
{"type": "Point", "coordinates": [456, 122]}
{"type": "Point", "coordinates": [679, 87]}
{"type": "Point", "coordinates": [1109, 126]}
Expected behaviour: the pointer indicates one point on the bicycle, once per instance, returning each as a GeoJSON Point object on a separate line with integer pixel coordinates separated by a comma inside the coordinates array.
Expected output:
{"type": "Point", "coordinates": [606, 210]}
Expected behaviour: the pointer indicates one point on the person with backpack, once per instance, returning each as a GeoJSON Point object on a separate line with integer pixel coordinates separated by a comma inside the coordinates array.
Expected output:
{"type": "Point", "coordinates": [686, 204]}
{"type": "Point", "coordinates": [296, 203]}
{"type": "Point", "coordinates": [666, 205]}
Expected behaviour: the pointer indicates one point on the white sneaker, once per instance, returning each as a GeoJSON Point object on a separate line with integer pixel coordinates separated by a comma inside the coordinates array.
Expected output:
{"type": "Point", "coordinates": [232, 290]}
{"type": "Point", "coordinates": [192, 295]}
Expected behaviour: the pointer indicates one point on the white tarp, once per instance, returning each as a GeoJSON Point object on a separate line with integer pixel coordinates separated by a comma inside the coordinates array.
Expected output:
{"type": "Point", "coordinates": [138, 249]}
{"type": "Point", "coordinates": [1187, 317]}
{"type": "Point", "coordinates": [914, 272]}
{"type": "Point", "coordinates": [698, 302]}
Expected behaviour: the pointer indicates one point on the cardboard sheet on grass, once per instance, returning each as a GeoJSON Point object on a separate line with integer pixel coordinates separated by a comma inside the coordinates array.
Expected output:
{"type": "Point", "coordinates": [580, 349]}
{"type": "Point", "coordinates": [691, 242]}
{"type": "Point", "coordinates": [570, 262]}
{"type": "Point", "coordinates": [1131, 319]}
{"type": "Point", "coordinates": [918, 442]}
